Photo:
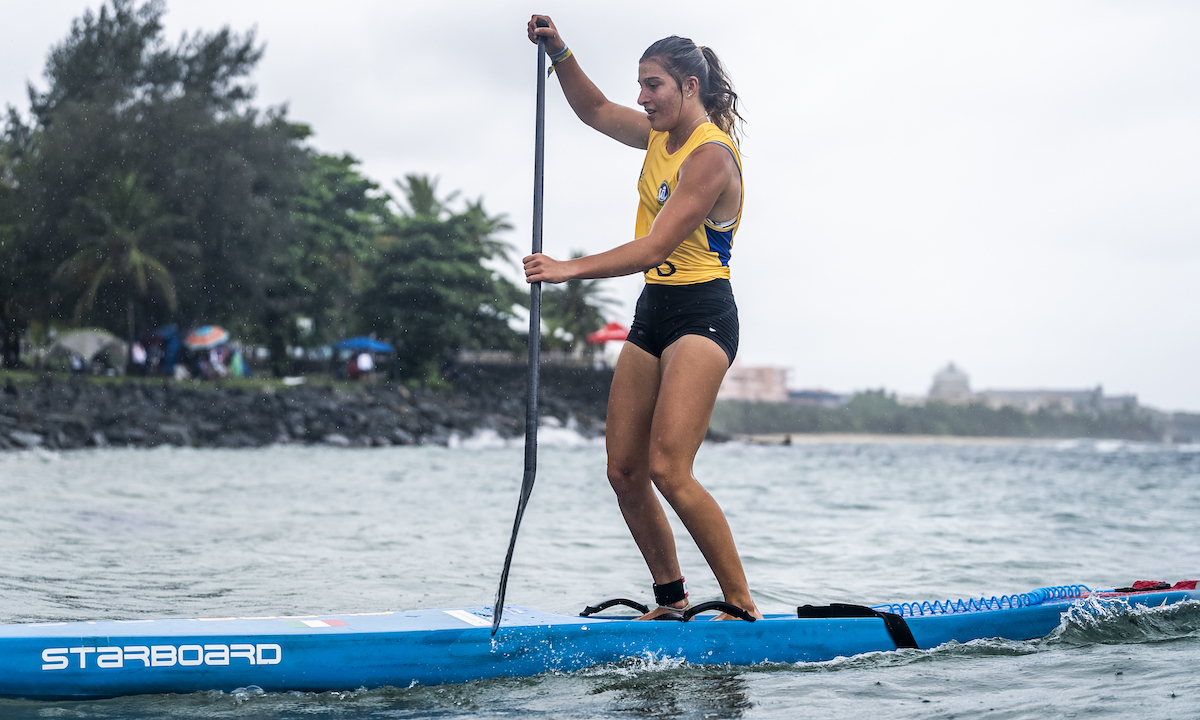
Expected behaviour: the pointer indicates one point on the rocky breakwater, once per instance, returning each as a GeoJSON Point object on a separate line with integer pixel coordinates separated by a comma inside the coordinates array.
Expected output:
{"type": "Point", "coordinates": [77, 413]}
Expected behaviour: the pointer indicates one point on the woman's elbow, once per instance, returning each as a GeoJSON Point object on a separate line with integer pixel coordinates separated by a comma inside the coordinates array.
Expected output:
{"type": "Point", "coordinates": [592, 116]}
{"type": "Point", "coordinates": [655, 257]}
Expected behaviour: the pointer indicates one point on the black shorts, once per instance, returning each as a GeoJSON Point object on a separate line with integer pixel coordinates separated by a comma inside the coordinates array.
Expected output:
{"type": "Point", "coordinates": [666, 313]}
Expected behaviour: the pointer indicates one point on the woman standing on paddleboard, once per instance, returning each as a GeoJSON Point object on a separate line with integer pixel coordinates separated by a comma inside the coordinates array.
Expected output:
{"type": "Point", "coordinates": [685, 330]}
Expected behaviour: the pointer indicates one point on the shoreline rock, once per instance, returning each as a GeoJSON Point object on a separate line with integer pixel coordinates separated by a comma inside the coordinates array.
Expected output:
{"type": "Point", "coordinates": [76, 413]}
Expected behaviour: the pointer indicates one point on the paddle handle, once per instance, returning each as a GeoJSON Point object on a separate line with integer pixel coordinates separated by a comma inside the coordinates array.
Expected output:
{"type": "Point", "coordinates": [535, 332]}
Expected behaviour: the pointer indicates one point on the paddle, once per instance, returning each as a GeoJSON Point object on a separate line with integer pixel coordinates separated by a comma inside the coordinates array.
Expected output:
{"type": "Point", "coordinates": [535, 332]}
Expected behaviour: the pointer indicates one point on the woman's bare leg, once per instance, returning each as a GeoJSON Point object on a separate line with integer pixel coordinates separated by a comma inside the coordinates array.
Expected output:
{"type": "Point", "coordinates": [631, 403]}
{"type": "Point", "coordinates": [691, 372]}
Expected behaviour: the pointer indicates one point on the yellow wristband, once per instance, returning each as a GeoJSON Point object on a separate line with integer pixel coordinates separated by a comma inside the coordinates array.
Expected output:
{"type": "Point", "coordinates": [554, 61]}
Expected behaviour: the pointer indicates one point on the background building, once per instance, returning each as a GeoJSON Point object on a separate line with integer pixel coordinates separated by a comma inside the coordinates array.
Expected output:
{"type": "Point", "coordinates": [1069, 401]}
{"type": "Point", "coordinates": [950, 385]}
{"type": "Point", "coordinates": [817, 398]}
{"type": "Point", "coordinates": [758, 384]}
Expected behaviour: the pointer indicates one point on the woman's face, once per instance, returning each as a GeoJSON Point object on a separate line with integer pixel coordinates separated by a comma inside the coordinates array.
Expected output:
{"type": "Point", "coordinates": [660, 96]}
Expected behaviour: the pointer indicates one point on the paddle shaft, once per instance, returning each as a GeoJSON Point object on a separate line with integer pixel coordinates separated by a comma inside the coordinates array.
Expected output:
{"type": "Point", "coordinates": [535, 333]}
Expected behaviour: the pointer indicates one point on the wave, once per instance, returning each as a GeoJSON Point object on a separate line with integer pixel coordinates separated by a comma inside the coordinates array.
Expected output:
{"type": "Point", "coordinates": [1111, 621]}
{"type": "Point", "coordinates": [550, 434]}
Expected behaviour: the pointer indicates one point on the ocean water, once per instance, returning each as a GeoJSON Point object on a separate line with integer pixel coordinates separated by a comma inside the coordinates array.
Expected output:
{"type": "Point", "coordinates": [126, 534]}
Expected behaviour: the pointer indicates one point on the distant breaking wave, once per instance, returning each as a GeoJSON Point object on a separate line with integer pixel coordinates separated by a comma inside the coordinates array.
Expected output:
{"type": "Point", "coordinates": [548, 435]}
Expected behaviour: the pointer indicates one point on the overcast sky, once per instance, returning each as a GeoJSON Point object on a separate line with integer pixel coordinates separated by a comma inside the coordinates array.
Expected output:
{"type": "Point", "coordinates": [1012, 186]}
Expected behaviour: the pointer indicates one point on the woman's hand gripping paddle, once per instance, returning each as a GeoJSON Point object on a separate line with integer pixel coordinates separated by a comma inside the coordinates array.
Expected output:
{"type": "Point", "coordinates": [535, 332]}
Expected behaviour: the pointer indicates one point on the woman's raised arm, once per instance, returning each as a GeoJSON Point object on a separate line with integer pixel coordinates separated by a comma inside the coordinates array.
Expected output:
{"type": "Point", "coordinates": [619, 122]}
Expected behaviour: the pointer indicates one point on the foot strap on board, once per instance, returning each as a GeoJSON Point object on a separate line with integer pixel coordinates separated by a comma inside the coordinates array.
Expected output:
{"type": "Point", "coordinates": [593, 609]}
{"type": "Point", "coordinates": [896, 626]}
{"type": "Point", "coordinates": [727, 608]}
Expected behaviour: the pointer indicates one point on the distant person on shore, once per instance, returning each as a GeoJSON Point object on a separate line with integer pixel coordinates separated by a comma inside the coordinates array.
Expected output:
{"type": "Point", "coordinates": [685, 330]}
{"type": "Point", "coordinates": [137, 352]}
{"type": "Point", "coordinates": [237, 365]}
{"type": "Point", "coordinates": [361, 367]}
{"type": "Point", "coordinates": [216, 362]}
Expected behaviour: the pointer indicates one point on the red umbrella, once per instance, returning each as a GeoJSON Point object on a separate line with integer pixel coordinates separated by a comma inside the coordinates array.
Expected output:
{"type": "Point", "coordinates": [609, 333]}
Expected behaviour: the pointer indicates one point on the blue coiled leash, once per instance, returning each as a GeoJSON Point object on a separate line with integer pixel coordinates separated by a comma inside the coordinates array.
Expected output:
{"type": "Point", "coordinates": [996, 602]}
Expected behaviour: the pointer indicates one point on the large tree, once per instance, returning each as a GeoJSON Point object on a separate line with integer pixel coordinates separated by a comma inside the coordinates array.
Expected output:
{"type": "Point", "coordinates": [24, 265]}
{"type": "Point", "coordinates": [144, 170]}
{"type": "Point", "coordinates": [340, 215]}
{"type": "Point", "coordinates": [321, 273]}
{"type": "Point", "coordinates": [13, 316]}
{"type": "Point", "coordinates": [119, 228]}
{"type": "Point", "coordinates": [120, 102]}
{"type": "Point", "coordinates": [433, 293]}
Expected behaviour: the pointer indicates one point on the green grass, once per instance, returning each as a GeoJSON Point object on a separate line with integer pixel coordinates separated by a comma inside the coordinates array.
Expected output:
{"type": "Point", "coordinates": [27, 378]}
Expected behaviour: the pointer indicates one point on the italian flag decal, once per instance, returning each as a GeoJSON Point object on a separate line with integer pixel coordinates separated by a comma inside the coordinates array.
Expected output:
{"type": "Point", "coordinates": [314, 623]}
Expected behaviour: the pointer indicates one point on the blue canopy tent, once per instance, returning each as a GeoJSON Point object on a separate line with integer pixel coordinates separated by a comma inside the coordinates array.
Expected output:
{"type": "Point", "coordinates": [363, 343]}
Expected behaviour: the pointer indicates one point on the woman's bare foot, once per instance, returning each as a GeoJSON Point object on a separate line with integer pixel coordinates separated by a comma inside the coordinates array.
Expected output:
{"type": "Point", "coordinates": [749, 607]}
{"type": "Point", "coordinates": [727, 616]}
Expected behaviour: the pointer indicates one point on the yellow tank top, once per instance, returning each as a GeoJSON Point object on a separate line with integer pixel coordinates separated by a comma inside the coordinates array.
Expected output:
{"type": "Point", "coordinates": [704, 254]}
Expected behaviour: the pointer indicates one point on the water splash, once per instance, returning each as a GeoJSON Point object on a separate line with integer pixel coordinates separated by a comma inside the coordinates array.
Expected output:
{"type": "Point", "coordinates": [632, 667]}
{"type": "Point", "coordinates": [549, 435]}
{"type": "Point", "coordinates": [1113, 621]}
{"type": "Point", "coordinates": [243, 695]}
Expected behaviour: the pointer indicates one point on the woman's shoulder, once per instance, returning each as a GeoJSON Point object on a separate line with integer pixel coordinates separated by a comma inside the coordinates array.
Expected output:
{"type": "Point", "coordinates": [709, 132]}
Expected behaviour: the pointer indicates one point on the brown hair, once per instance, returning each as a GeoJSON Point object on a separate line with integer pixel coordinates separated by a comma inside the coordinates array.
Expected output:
{"type": "Point", "coordinates": [682, 58]}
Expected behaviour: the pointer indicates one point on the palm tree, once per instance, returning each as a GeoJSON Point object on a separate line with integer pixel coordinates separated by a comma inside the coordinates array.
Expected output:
{"type": "Point", "coordinates": [124, 219]}
{"type": "Point", "coordinates": [576, 308]}
{"type": "Point", "coordinates": [483, 229]}
{"type": "Point", "coordinates": [420, 193]}
{"type": "Point", "coordinates": [434, 292]}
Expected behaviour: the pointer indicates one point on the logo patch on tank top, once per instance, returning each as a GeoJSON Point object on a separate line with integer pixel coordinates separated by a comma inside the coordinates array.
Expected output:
{"type": "Point", "coordinates": [664, 192]}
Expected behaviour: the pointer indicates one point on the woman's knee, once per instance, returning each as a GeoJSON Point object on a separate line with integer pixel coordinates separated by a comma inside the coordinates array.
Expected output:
{"type": "Point", "coordinates": [670, 475]}
{"type": "Point", "coordinates": [626, 477]}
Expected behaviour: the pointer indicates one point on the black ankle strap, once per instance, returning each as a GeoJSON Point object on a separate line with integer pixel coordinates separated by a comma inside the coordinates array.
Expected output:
{"type": "Point", "coordinates": [671, 592]}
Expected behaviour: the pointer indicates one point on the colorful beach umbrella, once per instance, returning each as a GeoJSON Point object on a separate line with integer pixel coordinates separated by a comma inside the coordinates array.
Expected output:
{"type": "Point", "coordinates": [612, 332]}
{"type": "Point", "coordinates": [206, 337]}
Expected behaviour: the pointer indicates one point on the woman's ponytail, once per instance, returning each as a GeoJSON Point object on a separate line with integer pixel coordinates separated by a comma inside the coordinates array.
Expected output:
{"type": "Point", "coordinates": [719, 98]}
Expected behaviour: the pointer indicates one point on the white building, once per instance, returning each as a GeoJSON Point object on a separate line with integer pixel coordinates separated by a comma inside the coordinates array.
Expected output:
{"type": "Point", "coordinates": [1068, 401]}
{"type": "Point", "coordinates": [757, 384]}
{"type": "Point", "coordinates": [951, 385]}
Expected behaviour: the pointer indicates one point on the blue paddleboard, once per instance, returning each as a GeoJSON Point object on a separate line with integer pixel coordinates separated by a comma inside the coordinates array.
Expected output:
{"type": "Point", "coordinates": [342, 652]}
